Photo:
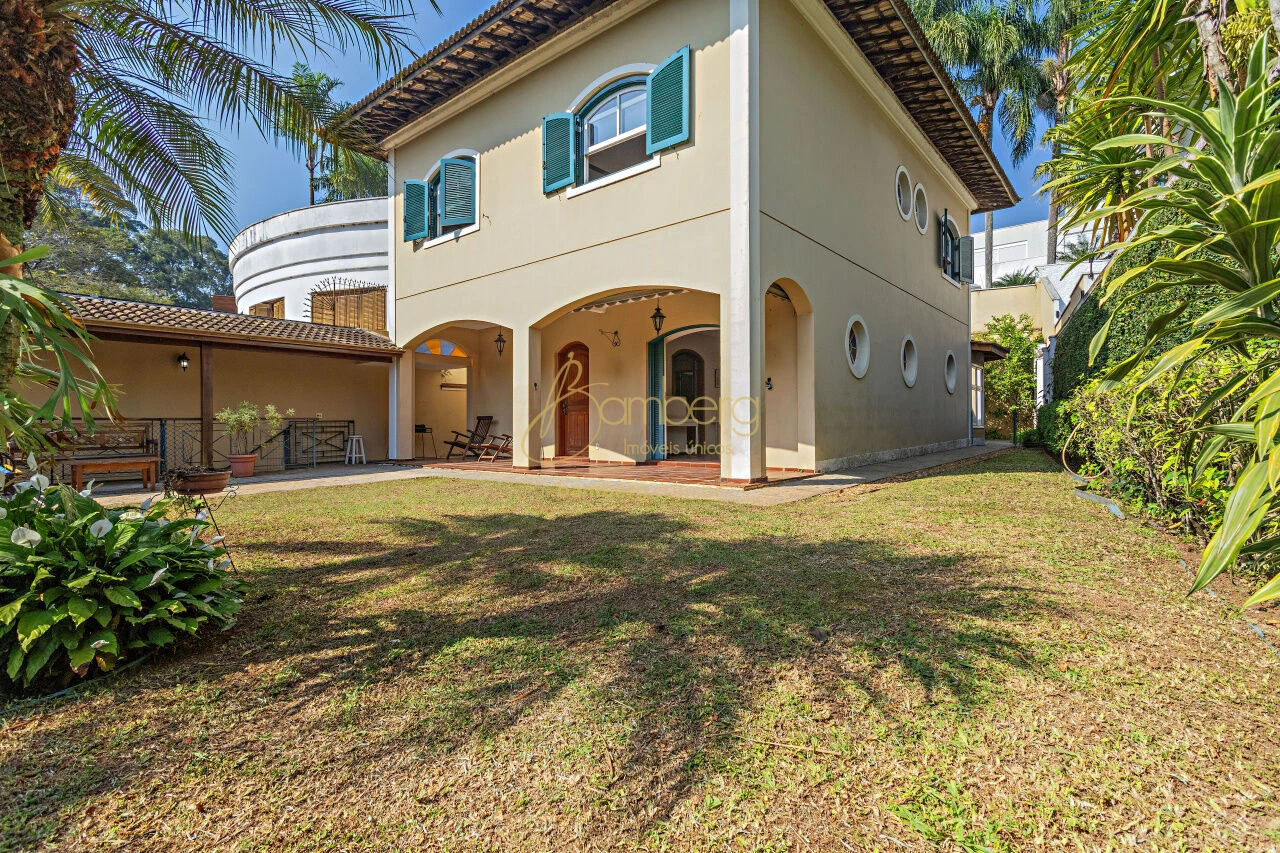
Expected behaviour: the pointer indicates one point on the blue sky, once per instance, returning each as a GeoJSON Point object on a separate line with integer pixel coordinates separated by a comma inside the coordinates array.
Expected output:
{"type": "Point", "coordinates": [270, 180]}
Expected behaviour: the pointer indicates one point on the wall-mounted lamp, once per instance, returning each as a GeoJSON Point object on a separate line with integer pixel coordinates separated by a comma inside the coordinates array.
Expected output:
{"type": "Point", "coordinates": [613, 337]}
{"type": "Point", "coordinates": [501, 343]}
{"type": "Point", "coordinates": [768, 383]}
{"type": "Point", "coordinates": [183, 361]}
{"type": "Point", "coordinates": [658, 318]}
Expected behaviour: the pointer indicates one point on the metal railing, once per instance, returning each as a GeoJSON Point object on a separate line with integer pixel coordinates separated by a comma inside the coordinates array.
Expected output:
{"type": "Point", "coordinates": [299, 443]}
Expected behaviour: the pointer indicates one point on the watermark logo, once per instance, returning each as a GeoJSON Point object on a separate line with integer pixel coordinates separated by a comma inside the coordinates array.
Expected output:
{"type": "Point", "coordinates": [740, 416]}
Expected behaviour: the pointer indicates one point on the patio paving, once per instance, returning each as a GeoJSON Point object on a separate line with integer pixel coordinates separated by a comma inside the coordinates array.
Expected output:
{"type": "Point", "coordinates": [691, 481]}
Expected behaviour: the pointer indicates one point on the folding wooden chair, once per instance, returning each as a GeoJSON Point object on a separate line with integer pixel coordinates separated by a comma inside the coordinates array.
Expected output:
{"type": "Point", "coordinates": [469, 442]}
{"type": "Point", "coordinates": [493, 450]}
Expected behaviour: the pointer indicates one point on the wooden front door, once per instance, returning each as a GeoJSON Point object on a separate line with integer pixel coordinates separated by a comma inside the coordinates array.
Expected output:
{"type": "Point", "coordinates": [573, 413]}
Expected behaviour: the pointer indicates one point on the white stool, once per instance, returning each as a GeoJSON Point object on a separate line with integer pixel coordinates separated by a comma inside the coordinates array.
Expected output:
{"type": "Point", "coordinates": [355, 450]}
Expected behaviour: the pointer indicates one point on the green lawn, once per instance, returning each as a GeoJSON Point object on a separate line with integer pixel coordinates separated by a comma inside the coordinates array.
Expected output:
{"type": "Point", "coordinates": [440, 664]}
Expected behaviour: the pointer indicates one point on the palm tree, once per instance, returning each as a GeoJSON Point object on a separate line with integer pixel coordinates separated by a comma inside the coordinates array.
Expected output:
{"type": "Point", "coordinates": [1058, 26]}
{"type": "Point", "coordinates": [349, 174]}
{"type": "Point", "coordinates": [108, 96]}
{"type": "Point", "coordinates": [993, 51]}
{"type": "Point", "coordinates": [315, 88]}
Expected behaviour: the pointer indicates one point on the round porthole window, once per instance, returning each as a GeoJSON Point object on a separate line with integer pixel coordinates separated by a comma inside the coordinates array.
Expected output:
{"type": "Point", "coordinates": [921, 204]}
{"type": "Point", "coordinates": [902, 186]}
{"type": "Point", "coordinates": [910, 366]}
{"type": "Point", "coordinates": [949, 372]}
{"type": "Point", "coordinates": [857, 346]}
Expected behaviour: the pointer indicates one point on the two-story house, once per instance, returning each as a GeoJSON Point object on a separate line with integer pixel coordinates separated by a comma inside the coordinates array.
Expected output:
{"type": "Point", "coordinates": [725, 228]}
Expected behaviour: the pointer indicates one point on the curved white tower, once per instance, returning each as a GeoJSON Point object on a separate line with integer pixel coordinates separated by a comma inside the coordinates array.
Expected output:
{"type": "Point", "coordinates": [286, 256]}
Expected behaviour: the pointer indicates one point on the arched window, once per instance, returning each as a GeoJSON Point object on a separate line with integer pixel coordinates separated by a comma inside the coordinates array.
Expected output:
{"type": "Point", "coordinates": [955, 253]}
{"type": "Point", "coordinates": [615, 131]}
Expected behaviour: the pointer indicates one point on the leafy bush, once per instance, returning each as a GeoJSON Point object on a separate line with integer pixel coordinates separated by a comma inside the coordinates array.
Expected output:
{"type": "Point", "coordinates": [1128, 333]}
{"type": "Point", "coordinates": [1055, 421]}
{"type": "Point", "coordinates": [1011, 382]}
{"type": "Point", "coordinates": [84, 586]}
{"type": "Point", "coordinates": [1144, 453]}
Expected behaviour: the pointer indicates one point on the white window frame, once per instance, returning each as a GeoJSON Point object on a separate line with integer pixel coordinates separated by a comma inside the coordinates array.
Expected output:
{"type": "Point", "coordinates": [978, 402]}
{"type": "Point", "coordinates": [858, 368]}
{"type": "Point", "coordinates": [955, 229]}
{"type": "Point", "coordinates": [911, 194]}
{"type": "Point", "coordinates": [909, 377]}
{"type": "Point", "coordinates": [915, 208]}
{"type": "Point", "coordinates": [602, 82]}
{"type": "Point", "coordinates": [455, 236]}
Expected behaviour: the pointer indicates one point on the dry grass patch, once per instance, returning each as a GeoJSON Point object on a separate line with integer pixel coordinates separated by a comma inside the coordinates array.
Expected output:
{"type": "Point", "coordinates": [970, 661]}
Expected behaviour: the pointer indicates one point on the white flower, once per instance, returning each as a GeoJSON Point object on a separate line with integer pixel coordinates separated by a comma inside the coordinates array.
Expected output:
{"type": "Point", "coordinates": [214, 541]}
{"type": "Point", "coordinates": [100, 528]}
{"type": "Point", "coordinates": [85, 493]}
{"type": "Point", "coordinates": [40, 481]}
{"type": "Point", "coordinates": [211, 564]}
{"type": "Point", "coordinates": [157, 576]}
{"type": "Point", "coordinates": [3, 512]}
{"type": "Point", "coordinates": [131, 515]}
{"type": "Point", "coordinates": [97, 644]}
{"type": "Point", "coordinates": [24, 536]}
{"type": "Point", "coordinates": [201, 515]}
{"type": "Point", "coordinates": [224, 564]}
{"type": "Point", "coordinates": [31, 460]}
{"type": "Point", "coordinates": [146, 505]}
{"type": "Point", "coordinates": [22, 486]}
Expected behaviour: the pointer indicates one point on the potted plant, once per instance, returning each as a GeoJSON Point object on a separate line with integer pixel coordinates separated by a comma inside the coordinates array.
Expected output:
{"type": "Point", "coordinates": [241, 423]}
{"type": "Point", "coordinates": [189, 482]}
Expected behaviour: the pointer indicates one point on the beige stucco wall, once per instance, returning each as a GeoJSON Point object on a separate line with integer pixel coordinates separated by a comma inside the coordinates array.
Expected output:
{"type": "Point", "coordinates": [150, 384]}
{"type": "Point", "coordinates": [536, 253]}
{"type": "Point", "coordinates": [1033, 300]}
{"type": "Point", "coordinates": [828, 159]}
{"type": "Point", "coordinates": [442, 410]}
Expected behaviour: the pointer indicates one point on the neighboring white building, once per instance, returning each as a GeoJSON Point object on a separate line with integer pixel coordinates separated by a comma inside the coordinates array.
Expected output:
{"type": "Point", "coordinates": [1018, 247]}
{"type": "Point", "coordinates": [278, 262]}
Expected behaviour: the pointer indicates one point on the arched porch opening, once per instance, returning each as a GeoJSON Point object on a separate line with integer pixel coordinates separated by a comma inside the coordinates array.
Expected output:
{"type": "Point", "coordinates": [458, 375]}
{"type": "Point", "coordinates": [620, 336]}
{"type": "Point", "coordinates": [789, 409]}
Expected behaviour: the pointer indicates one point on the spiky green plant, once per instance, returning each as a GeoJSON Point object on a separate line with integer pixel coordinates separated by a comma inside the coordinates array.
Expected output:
{"type": "Point", "coordinates": [1223, 182]}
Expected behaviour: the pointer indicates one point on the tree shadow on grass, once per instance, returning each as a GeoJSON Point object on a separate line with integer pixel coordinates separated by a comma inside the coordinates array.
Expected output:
{"type": "Point", "coordinates": [456, 629]}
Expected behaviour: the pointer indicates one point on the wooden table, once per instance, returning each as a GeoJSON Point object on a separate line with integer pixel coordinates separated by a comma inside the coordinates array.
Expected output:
{"type": "Point", "coordinates": [147, 465]}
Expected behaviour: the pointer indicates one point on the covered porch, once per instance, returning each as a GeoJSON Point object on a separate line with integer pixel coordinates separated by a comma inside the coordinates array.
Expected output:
{"type": "Point", "coordinates": [630, 378]}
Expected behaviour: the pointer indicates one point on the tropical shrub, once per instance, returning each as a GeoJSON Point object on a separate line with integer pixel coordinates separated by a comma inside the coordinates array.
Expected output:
{"type": "Point", "coordinates": [1222, 177]}
{"type": "Point", "coordinates": [1142, 450]}
{"type": "Point", "coordinates": [84, 587]}
{"type": "Point", "coordinates": [1054, 420]}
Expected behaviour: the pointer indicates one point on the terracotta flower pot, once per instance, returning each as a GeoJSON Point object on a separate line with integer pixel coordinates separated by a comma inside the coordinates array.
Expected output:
{"type": "Point", "coordinates": [242, 464]}
{"type": "Point", "coordinates": [203, 483]}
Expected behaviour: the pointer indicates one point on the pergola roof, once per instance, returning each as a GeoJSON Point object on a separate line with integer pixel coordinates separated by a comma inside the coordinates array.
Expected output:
{"type": "Point", "coordinates": [884, 30]}
{"type": "Point", "coordinates": [120, 318]}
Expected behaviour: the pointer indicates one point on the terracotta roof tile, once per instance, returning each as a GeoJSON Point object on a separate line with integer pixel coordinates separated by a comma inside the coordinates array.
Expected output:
{"type": "Point", "coordinates": [99, 311]}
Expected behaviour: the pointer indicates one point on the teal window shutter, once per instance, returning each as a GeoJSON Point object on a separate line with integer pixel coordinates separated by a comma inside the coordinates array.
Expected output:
{"type": "Point", "coordinates": [559, 151]}
{"type": "Point", "coordinates": [668, 91]}
{"type": "Point", "coordinates": [433, 207]}
{"type": "Point", "coordinates": [457, 191]}
{"type": "Point", "coordinates": [944, 241]}
{"type": "Point", "coordinates": [415, 210]}
{"type": "Point", "coordinates": [965, 261]}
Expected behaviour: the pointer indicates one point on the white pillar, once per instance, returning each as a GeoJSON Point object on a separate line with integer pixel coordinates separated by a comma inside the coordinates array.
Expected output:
{"type": "Point", "coordinates": [528, 422]}
{"type": "Point", "coordinates": [742, 304]}
{"type": "Point", "coordinates": [401, 407]}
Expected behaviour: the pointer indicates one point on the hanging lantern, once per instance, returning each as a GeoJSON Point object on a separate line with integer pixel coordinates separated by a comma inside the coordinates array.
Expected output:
{"type": "Point", "coordinates": [501, 343]}
{"type": "Point", "coordinates": [183, 361]}
{"type": "Point", "coordinates": [658, 319]}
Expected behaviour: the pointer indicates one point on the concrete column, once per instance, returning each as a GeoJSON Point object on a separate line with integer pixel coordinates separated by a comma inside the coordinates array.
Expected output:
{"type": "Point", "coordinates": [400, 388]}
{"type": "Point", "coordinates": [742, 304]}
{"type": "Point", "coordinates": [806, 395]}
{"type": "Point", "coordinates": [528, 421]}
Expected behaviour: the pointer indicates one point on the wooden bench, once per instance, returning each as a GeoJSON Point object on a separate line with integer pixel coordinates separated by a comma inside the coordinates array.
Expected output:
{"type": "Point", "coordinates": [148, 466]}
{"type": "Point", "coordinates": [112, 446]}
